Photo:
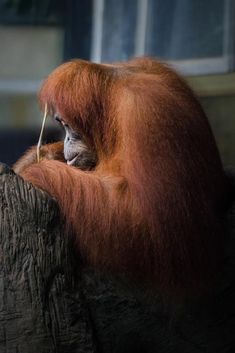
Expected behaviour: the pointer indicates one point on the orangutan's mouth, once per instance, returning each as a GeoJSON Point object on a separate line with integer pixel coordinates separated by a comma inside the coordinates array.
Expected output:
{"type": "Point", "coordinates": [73, 160]}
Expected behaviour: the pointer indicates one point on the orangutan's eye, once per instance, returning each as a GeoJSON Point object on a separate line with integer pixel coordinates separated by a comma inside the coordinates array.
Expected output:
{"type": "Point", "coordinates": [57, 118]}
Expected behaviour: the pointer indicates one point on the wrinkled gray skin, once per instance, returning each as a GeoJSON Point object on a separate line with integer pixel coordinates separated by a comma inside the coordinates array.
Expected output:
{"type": "Point", "coordinates": [76, 151]}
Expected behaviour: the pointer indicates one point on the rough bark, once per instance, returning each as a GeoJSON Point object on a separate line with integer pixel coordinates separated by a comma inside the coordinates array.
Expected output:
{"type": "Point", "coordinates": [51, 303]}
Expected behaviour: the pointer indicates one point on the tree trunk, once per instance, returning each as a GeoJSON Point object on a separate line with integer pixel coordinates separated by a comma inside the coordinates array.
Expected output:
{"type": "Point", "coordinates": [49, 302]}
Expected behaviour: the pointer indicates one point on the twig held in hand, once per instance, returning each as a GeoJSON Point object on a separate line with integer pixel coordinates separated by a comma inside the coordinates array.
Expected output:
{"type": "Point", "coordinates": [41, 133]}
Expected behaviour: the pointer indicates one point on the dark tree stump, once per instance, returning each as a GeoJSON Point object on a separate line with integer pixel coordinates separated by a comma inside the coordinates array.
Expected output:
{"type": "Point", "coordinates": [41, 299]}
{"type": "Point", "coordinates": [51, 303]}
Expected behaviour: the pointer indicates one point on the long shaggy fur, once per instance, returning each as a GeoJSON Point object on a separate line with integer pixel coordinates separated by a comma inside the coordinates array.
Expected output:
{"type": "Point", "coordinates": [152, 207]}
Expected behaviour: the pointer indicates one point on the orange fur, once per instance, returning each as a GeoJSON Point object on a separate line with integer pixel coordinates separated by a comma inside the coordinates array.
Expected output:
{"type": "Point", "coordinates": [49, 151]}
{"type": "Point", "coordinates": [152, 206]}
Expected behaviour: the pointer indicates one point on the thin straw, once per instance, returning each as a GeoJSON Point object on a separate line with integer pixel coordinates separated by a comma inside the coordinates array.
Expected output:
{"type": "Point", "coordinates": [41, 133]}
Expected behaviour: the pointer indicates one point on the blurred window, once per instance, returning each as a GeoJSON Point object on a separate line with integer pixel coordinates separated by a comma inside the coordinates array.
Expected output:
{"type": "Point", "coordinates": [197, 36]}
